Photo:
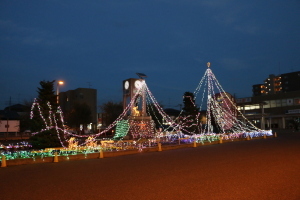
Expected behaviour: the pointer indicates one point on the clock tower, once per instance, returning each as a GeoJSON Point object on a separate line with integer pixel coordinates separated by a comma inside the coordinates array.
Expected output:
{"type": "Point", "coordinates": [141, 125]}
{"type": "Point", "coordinates": [130, 88]}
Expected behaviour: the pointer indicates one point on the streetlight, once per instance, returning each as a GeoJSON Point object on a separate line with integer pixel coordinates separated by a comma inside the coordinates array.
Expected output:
{"type": "Point", "coordinates": [57, 90]}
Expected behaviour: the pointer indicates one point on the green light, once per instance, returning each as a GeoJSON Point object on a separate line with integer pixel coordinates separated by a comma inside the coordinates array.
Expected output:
{"type": "Point", "coordinates": [122, 129]}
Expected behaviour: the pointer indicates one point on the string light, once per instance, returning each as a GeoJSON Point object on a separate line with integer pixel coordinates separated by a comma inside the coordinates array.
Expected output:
{"type": "Point", "coordinates": [221, 110]}
{"type": "Point", "coordinates": [122, 129]}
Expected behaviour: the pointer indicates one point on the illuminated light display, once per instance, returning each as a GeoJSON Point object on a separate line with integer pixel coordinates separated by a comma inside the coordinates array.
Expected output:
{"type": "Point", "coordinates": [142, 129]}
{"type": "Point", "coordinates": [221, 114]}
{"type": "Point", "coordinates": [221, 111]}
{"type": "Point", "coordinates": [90, 144]}
{"type": "Point", "coordinates": [73, 144]}
{"type": "Point", "coordinates": [122, 129]}
{"type": "Point", "coordinates": [51, 118]}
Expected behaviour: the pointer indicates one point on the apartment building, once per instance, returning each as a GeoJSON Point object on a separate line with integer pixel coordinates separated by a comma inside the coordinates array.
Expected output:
{"type": "Point", "coordinates": [275, 104]}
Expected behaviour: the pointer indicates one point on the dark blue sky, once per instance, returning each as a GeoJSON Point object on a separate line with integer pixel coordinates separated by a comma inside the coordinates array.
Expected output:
{"type": "Point", "coordinates": [99, 43]}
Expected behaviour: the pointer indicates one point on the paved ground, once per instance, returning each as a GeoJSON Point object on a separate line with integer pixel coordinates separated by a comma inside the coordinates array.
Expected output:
{"type": "Point", "coordinates": [257, 169]}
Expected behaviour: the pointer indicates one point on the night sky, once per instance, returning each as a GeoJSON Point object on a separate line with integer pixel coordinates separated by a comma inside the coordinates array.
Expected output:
{"type": "Point", "coordinates": [99, 43]}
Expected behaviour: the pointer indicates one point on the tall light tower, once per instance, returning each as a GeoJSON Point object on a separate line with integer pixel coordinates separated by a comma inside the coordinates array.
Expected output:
{"type": "Point", "coordinates": [57, 90]}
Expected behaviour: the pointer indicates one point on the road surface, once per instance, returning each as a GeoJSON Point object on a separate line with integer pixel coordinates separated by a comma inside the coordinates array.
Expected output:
{"type": "Point", "coordinates": [258, 169]}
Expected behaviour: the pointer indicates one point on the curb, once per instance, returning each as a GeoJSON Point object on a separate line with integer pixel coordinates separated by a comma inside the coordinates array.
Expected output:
{"type": "Point", "coordinates": [109, 154]}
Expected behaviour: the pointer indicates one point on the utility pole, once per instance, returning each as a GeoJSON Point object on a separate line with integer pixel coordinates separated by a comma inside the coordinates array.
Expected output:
{"type": "Point", "coordinates": [7, 121]}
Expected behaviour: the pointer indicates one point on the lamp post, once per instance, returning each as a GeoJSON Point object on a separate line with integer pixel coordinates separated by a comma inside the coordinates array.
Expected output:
{"type": "Point", "coordinates": [57, 90]}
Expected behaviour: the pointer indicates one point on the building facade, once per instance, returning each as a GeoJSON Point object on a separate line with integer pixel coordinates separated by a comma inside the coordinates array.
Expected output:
{"type": "Point", "coordinates": [275, 104]}
{"type": "Point", "coordinates": [283, 83]}
{"type": "Point", "coordinates": [80, 95]}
